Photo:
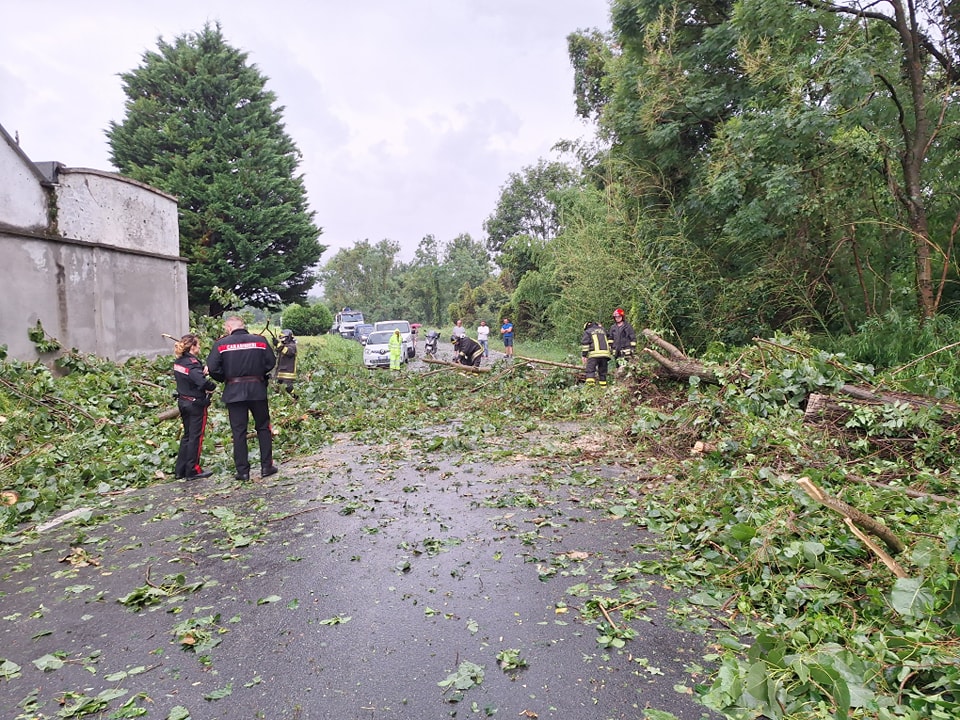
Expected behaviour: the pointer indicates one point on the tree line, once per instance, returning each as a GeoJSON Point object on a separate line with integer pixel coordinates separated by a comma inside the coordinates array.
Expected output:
{"type": "Point", "coordinates": [758, 165]}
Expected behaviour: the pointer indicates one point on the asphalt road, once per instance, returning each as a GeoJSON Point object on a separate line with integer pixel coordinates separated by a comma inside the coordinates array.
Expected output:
{"type": "Point", "coordinates": [362, 582]}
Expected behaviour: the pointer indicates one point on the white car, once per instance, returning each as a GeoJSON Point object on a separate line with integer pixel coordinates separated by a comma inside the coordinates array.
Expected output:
{"type": "Point", "coordinates": [376, 353]}
{"type": "Point", "coordinates": [406, 332]}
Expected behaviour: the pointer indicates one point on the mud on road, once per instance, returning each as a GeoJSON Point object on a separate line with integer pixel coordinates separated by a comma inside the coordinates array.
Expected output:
{"type": "Point", "coordinates": [419, 579]}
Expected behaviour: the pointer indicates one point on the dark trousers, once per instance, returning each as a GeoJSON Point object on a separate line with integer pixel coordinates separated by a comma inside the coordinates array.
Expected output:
{"type": "Point", "coordinates": [194, 418]}
{"type": "Point", "coordinates": [597, 367]}
{"type": "Point", "coordinates": [239, 413]}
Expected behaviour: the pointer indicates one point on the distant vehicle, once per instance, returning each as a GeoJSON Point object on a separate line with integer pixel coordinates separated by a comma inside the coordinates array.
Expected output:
{"type": "Point", "coordinates": [346, 322]}
{"type": "Point", "coordinates": [406, 332]}
{"type": "Point", "coordinates": [376, 353]}
{"type": "Point", "coordinates": [361, 331]}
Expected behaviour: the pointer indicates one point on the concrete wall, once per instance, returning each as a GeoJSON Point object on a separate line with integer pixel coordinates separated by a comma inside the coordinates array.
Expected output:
{"type": "Point", "coordinates": [92, 255]}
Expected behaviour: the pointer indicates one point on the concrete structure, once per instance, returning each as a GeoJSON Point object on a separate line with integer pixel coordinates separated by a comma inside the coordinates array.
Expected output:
{"type": "Point", "coordinates": [93, 256]}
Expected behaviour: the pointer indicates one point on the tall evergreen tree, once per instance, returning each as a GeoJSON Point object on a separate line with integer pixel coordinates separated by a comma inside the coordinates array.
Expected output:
{"type": "Point", "coordinates": [201, 125]}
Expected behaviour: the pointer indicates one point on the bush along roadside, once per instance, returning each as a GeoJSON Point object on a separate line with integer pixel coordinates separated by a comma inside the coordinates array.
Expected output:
{"type": "Point", "coordinates": [804, 616]}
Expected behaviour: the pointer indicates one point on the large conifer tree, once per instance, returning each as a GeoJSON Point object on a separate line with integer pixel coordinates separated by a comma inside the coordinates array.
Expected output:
{"type": "Point", "coordinates": [201, 125]}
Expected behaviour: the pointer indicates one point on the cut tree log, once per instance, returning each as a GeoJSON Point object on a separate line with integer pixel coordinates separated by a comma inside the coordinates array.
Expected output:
{"type": "Point", "coordinates": [457, 366]}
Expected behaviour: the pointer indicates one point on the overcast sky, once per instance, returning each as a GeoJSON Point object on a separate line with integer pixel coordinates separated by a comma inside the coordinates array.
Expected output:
{"type": "Point", "coordinates": [410, 114]}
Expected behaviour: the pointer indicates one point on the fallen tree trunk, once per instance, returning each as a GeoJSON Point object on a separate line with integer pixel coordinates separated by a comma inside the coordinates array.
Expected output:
{"type": "Point", "coordinates": [458, 366]}
{"type": "Point", "coordinates": [675, 364]}
{"type": "Point", "coordinates": [820, 407]}
{"type": "Point", "coordinates": [825, 408]}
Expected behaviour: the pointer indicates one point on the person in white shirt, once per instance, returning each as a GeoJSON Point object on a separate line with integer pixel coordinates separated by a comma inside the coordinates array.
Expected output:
{"type": "Point", "coordinates": [483, 336]}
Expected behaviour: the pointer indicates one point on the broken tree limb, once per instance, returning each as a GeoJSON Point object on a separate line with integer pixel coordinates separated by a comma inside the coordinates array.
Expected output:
{"type": "Point", "coordinates": [457, 366]}
{"type": "Point", "coordinates": [864, 521]}
{"type": "Point", "coordinates": [549, 362]}
{"type": "Point", "coordinates": [675, 364]}
{"type": "Point", "coordinates": [894, 566]}
{"type": "Point", "coordinates": [908, 491]}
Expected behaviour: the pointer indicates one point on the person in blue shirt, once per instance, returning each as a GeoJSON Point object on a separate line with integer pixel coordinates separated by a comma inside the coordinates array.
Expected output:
{"type": "Point", "coordinates": [506, 332]}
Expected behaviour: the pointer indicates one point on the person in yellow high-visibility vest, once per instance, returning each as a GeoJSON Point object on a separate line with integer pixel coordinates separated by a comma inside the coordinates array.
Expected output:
{"type": "Point", "coordinates": [595, 352]}
{"type": "Point", "coordinates": [395, 345]}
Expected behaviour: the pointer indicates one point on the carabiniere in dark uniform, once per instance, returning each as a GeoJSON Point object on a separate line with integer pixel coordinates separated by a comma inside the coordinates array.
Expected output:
{"type": "Point", "coordinates": [243, 362]}
{"type": "Point", "coordinates": [193, 397]}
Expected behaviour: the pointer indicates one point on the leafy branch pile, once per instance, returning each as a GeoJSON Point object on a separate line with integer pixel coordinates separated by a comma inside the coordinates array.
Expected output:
{"type": "Point", "coordinates": [92, 427]}
{"type": "Point", "coordinates": [802, 619]}
{"type": "Point", "coordinates": [808, 623]}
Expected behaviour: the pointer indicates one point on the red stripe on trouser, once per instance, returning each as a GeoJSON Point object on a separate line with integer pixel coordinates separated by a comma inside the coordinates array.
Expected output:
{"type": "Point", "coordinates": [203, 427]}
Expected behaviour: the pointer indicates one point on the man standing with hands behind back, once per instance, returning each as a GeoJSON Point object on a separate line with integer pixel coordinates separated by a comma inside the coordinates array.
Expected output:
{"type": "Point", "coordinates": [243, 361]}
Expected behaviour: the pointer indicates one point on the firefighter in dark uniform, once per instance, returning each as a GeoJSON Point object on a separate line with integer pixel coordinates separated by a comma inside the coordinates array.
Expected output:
{"type": "Point", "coordinates": [193, 397]}
{"type": "Point", "coordinates": [467, 350]}
{"type": "Point", "coordinates": [286, 348]}
{"type": "Point", "coordinates": [621, 336]}
{"type": "Point", "coordinates": [243, 361]}
{"type": "Point", "coordinates": [595, 352]}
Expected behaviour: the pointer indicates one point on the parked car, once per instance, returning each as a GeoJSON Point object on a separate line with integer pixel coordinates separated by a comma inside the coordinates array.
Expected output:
{"type": "Point", "coordinates": [361, 331]}
{"type": "Point", "coordinates": [405, 332]}
{"type": "Point", "coordinates": [376, 353]}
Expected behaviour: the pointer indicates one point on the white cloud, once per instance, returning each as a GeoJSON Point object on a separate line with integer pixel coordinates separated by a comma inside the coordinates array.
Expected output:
{"type": "Point", "coordinates": [410, 116]}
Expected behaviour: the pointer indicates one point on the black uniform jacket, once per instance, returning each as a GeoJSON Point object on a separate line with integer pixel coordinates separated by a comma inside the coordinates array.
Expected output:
{"type": "Point", "coordinates": [287, 359]}
{"type": "Point", "coordinates": [243, 362]}
{"type": "Point", "coordinates": [468, 350]}
{"type": "Point", "coordinates": [192, 384]}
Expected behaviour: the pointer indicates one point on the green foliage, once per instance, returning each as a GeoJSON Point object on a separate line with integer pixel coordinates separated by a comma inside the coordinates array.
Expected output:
{"type": "Point", "coordinates": [201, 125]}
{"type": "Point", "coordinates": [528, 204]}
{"type": "Point", "coordinates": [43, 342]}
{"type": "Point", "coordinates": [371, 278]}
{"type": "Point", "coordinates": [802, 621]}
{"type": "Point", "coordinates": [834, 635]}
{"type": "Point", "coordinates": [313, 319]}
{"type": "Point", "coordinates": [364, 277]}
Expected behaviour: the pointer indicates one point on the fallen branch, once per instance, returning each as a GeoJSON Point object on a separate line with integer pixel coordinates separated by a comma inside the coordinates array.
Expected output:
{"type": "Point", "coordinates": [548, 362]}
{"type": "Point", "coordinates": [909, 492]}
{"type": "Point", "coordinates": [294, 514]}
{"type": "Point", "coordinates": [613, 625]}
{"type": "Point", "coordinates": [894, 566]}
{"type": "Point", "coordinates": [169, 414]}
{"type": "Point", "coordinates": [874, 527]}
{"type": "Point", "coordinates": [458, 366]}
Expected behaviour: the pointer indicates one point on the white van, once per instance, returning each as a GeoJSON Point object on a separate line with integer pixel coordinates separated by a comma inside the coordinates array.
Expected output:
{"type": "Point", "coordinates": [406, 333]}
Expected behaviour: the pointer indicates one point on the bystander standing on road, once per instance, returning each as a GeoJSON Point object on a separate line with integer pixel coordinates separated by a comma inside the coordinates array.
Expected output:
{"type": "Point", "coordinates": [506, 332]}
{"type": "Point", "coordinates": [243, 361]}
{"type": "Point", "coordinates": [483, 337]}
{"type": "Point", "coordinates": [459, 330]}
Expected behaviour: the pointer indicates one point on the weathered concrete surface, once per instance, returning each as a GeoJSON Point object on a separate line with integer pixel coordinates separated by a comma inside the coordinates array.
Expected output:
{"type": "Point", "coordinates": [348, 587]}
{"type": "Point", "coordinates": [91, 255]}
